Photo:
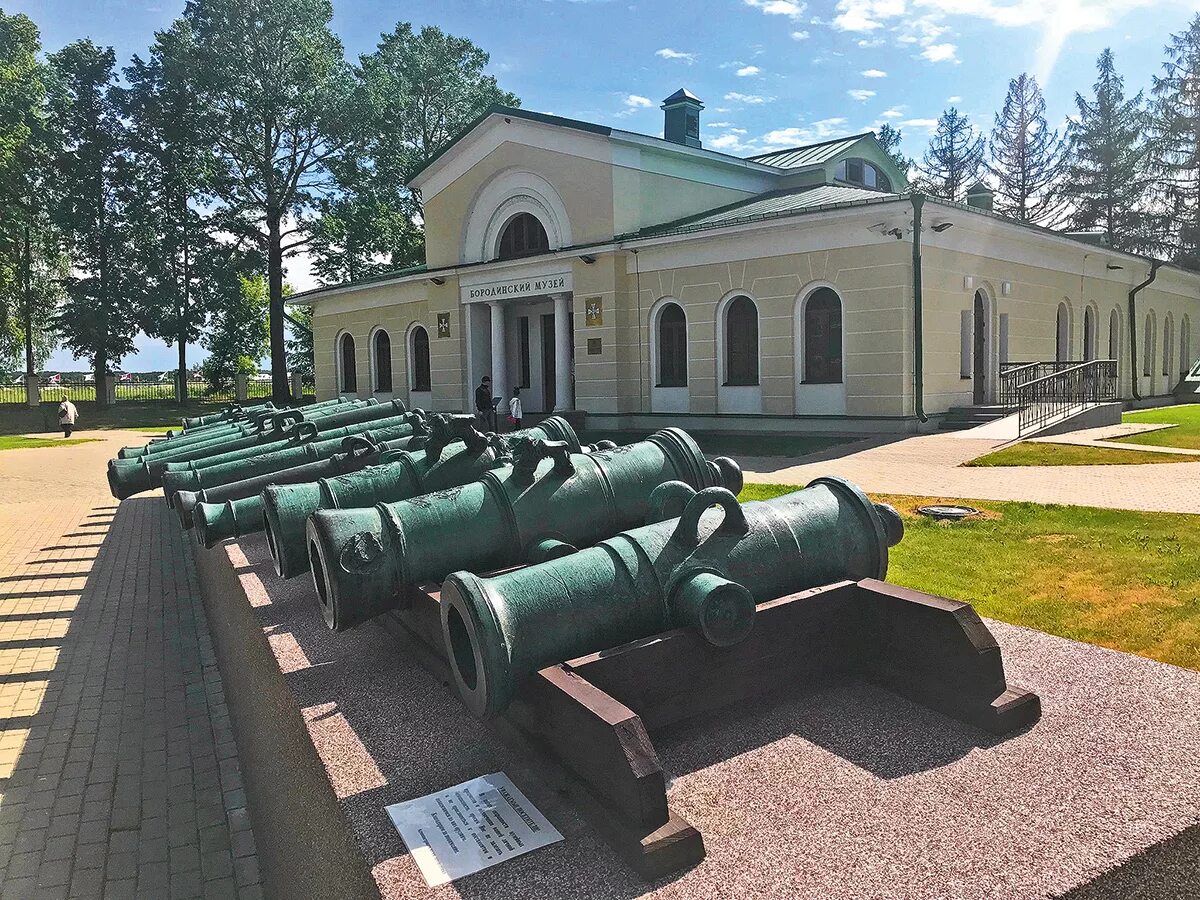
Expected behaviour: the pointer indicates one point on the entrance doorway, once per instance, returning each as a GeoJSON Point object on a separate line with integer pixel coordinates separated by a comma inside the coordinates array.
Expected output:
{"type": "Point", "coordinates": [979, 352]}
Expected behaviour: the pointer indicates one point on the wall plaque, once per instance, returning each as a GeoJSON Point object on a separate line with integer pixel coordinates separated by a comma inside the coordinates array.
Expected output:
{"type": "Point", "coordinates": [443, 325]}
{"type": "Point", "coordinates": [595, 347]}
{"type": "Point", "coordinates": [594, 311]}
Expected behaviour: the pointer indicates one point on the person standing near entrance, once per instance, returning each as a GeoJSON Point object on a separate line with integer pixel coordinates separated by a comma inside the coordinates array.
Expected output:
{"type": "Point", "coordinates": [514, 410]}
{"type": "Point", "coordinates": [483, 403]}
{"type": "Point", "coordinates": [67, 414]}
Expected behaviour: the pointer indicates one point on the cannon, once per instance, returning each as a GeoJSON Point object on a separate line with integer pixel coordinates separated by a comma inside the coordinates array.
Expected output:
{"type": "Point", "coordinates": [232, 411]}
{"type": "Point", "coordinates": [253, 426]}
{"type": "Point", "coordinates": [455, 454]}
{"type": "Point", "coordinates": [453, 450]}
{"type": "Point", "coordinates": [706, 569]}
{"type": "Point", "coordinates": [550, 501]}
{"type": "Point", "coordinates": [240, 416]}
{"type": "Point", "coordinates": [128, 477]}
{"type": "Point", "coordinates": [213, 472]}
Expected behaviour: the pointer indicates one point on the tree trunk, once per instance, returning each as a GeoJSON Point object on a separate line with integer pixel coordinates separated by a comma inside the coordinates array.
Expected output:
{"type": "Point", "coordinates": [181, 391]}
{"type": "Point", "coordinates": [27, 323]}
{"type": "Point", "coordinates": [280, 391]}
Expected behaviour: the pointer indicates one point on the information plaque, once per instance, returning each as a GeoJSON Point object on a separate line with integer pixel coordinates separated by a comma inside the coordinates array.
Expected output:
{"type": "Point", "coordinates": [469, 827]}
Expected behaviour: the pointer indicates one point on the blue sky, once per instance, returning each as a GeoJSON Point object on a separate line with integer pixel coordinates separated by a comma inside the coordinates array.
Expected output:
{"type": "Point", "coordinates": [772, 73]}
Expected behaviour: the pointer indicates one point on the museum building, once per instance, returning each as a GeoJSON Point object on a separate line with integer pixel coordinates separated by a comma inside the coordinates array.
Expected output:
{"type": "Point", "coordinates": [647, 281]}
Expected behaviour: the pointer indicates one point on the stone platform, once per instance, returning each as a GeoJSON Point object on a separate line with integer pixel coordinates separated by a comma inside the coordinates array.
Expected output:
{"type": "Point", "coordinates": [844, 793]}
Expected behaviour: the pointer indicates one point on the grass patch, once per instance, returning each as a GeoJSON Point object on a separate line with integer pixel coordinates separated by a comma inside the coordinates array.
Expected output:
{"type": "Point", "coordinates": [124, 415]}
{"type": "Point", "coordinates": [1185, 434]}
{"type": "Point", "coordinates": [1045, 454]}
{"type": "Point", "coordinates": [1117, 578]}
{"type": "Point", "coordinates": [19, 442]}
{"type": "Point", "coordinates": [721, 444]}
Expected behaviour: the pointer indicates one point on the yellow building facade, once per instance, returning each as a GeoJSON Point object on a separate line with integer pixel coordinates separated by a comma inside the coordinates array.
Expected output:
{"type": "Point", "coordinates": [647, 281]}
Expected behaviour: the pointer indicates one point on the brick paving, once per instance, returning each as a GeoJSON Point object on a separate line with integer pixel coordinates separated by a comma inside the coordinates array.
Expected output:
{"type": "Point", "coordinates": [931, 466]}
{"type": "Point", "coordinates": [119, 775]}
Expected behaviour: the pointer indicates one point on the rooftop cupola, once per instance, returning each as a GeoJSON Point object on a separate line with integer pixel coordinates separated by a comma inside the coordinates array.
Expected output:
{"type": "Point", "coordinates": [681, 123]}
{"type": "Point", "coordinates": [979, 195]}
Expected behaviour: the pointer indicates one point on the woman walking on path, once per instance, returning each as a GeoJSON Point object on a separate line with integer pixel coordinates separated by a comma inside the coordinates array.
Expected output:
{"type": "Point", "coordinates": [67, 414]}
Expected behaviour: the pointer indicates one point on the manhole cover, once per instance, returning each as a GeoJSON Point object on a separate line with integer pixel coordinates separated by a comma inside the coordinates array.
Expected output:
{"type": "Point", "coordinates": [947, 511]}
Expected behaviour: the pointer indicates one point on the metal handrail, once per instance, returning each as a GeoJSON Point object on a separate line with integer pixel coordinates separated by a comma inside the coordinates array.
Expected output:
{"type": "Point", "coordinates": [1062, 392]}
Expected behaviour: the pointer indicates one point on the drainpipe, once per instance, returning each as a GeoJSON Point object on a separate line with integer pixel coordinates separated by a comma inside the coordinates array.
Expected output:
{"type": "Point", "coordinates": [918, 200]}
{"type": "Point", "coordinates": [1133, 370]}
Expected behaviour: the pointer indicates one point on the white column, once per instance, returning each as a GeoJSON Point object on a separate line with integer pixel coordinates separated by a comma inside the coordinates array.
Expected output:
{"type": "Point", "coordinates": [500, 386]}
{"type": "Point", "coordinates": [33, 390]}
{"type": "Point", "coordinates": [562, 354]}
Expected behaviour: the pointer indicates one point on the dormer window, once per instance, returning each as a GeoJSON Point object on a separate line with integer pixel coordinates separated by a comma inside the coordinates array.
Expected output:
{"type": "Point", "coordinates": [861, 173]}
{"type": "Point", "coordinates": [522, 236]}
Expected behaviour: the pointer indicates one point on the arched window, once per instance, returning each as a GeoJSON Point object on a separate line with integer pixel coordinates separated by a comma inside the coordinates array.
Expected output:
{"type": "Point", "coordinates": [381, 347]}
{"type": "Point", "coordinates": [1148, 361]}
{"type": "Point", "coordinates": [1168, 345]}
{"type": "Point", "coordinates": [1062, 343]}
{"type": "Point", "coordinates": [863, 174]}
{"type": "Point", "coordinates": [1185, 346]}
{"type": "Point", "coordinates": [672, 347]}
{"type": "Point", "coordinates": [1114, 335]}
{"type": "Point", "coordinates": [1089, 334]}
{"type": "Point", "coordinates": [522, 236]}
{"type": "Point", "coordinates": [418, 350]}
{"type": "Point", "coordinates": [741, 342]}
{"type": "Point", "coordinates": [823, 338]}
{"type": "Point", "coordinates": [347, 365]}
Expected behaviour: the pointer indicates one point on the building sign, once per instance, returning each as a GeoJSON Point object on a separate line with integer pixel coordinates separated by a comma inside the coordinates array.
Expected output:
{"type": "Point", "coordinates": [443, 325]}
{"type": "Point", "coordinates": [516, 287]}
{"type": "Point", "coordinates": [594, 311]}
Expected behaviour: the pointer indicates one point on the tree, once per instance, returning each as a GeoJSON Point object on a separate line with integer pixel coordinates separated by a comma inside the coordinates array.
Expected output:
{"type": "Point", "coordinates": [954, 157]}
{"type": "Point", "coordinates": [239, 336]}
{"type": "Point", "coordinates": [1106, 182]}
{"type": "Point", "coordinates": [187, 272]}
{"type": "Point", "coordinates": [31, 264]}
{"type": "Point", "coordinates": [300, 344]}
{"type": "Point", "coordinates": [1174, 159]}
{"type": "Point", "coordinates": [279, 108]}
{"type": "Point", "coordinates": [889, 139]}
{"type": "Point", "coordinates": [97, 319]}
{"type": "Point", "coordinates": [1026, 156]}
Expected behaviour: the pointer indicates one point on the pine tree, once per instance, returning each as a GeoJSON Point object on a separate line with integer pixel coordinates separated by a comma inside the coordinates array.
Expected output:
{"type": "Point", "coordinates": [1105, 183]}
{"type": "Point", "coordinates": [97, 319]}
{"type": "Point", "coordinates": [889, 139]}
{"type": "Point", "coordinates": [953, 159]}
{"type": "Point", "coordinates": [1174, 138]}
{"type": "Point", "coordinates": [1026, 156]}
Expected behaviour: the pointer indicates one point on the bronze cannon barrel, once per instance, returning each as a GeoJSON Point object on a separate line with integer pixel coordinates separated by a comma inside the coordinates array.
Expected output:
{"type": "Point", "coordinates": [364, 561]}
{"type": "Point", "coordinates": [455, 454]}
{"type": "Point", "coordinates": [706, 569]}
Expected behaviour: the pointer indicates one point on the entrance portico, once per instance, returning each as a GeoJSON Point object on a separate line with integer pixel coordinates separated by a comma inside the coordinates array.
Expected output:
{"type": "Point", "coordinates": [528, 326]}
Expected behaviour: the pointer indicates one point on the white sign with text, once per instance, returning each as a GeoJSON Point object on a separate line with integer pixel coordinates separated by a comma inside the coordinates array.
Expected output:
{"type": "Point", "coordinates": [534, 286]}
{"type": "Point", "coordinates": [469, 827]}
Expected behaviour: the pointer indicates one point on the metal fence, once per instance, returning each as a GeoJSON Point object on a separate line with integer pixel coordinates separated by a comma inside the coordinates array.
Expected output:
{"type": "Point", "coordinates": [136, 387]}
{"type": "Point", "coordinates": [13, 393]}
{"type": "Point", "coordinates": [1063, 391]}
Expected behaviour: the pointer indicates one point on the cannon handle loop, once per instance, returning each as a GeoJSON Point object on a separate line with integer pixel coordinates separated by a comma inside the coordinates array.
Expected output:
{"type": "Point", "coordinates": [528, 453]}
{"type": "Point", "coordinates": [668, 500]}
{"type": "Point", "coordinates": [687, 531]}
{"type": "Point", "coordinates": [280, 421]}
{"type": "Point", "coordinates": [359, 445]}
{"type": "Point", "coordinates": [302, 432]}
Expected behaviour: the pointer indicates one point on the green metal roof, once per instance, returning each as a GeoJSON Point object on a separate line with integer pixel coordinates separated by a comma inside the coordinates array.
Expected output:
{"type": "Point", "coordinates": [771, 205]}
{"type": "Point", "coordinates": [809, 154]}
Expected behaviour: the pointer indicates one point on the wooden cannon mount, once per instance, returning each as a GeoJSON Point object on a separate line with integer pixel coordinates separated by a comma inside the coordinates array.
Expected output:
{"type": "Point", "coordinates": [592, 716]}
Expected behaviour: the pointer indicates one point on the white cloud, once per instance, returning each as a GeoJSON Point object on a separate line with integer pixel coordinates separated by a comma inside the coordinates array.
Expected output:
{"type": "Point", "coordinates": [636, 102]}
{"type": "Point", "coordinates": [893, 113]}
{"type": "Point", "coordinates": [954, 99]}
{"type": "Point", "coordinates": [860, 95]}
{"type": "Point", "coordinates": [873, 42]}
{"type": "Point", "coordinates": [749, 99]}
{"type": "Point", "coordinates": [817, 131]}
{"type": "Point", "coordinates": [799, 35]}
{"type": "Point", "coordinates": [668, 53]}
{"type": "Point", "coordinates": [718, 124]}
{"type": "Point", "coordinates": [746, 71]}
{"type": "Point", "coordinates": [873, 73]}
{"type": "Point", "coordinates": [731, 142]}
{"type": "Point", "coordinates": [940, 53]}
{"type": "Point", "coordinates": [865, 15]}
{"type": "Point", "coordinates": [930, 125]}
{"type": "Point", "coordinates": [787, 8]}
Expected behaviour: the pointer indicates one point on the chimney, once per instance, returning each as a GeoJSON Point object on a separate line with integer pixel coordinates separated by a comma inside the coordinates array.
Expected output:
{"type": "Point", "coordinates": [681, 124]}
{"type": "Point", "coordinates": [979, 195]}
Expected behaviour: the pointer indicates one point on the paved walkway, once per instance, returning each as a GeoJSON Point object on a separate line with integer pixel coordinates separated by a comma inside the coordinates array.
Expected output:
{"type": "Point", "coordinates": [119, 776]}
{"type": "Point", "coordinates": [931, 465]}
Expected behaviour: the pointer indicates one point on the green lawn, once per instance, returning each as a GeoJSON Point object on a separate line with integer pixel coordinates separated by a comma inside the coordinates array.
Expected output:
{"type": "Point", "coordinates": [1185, 417]}
{"type": "Point", "coordinates": [1120, 579]}
{"type": "Point", "coordinates": [717, 444]}
{"type": "Point", "coordinates": [17, 442]}
{"type": "Point", "coordinates": [125, 414]}
{"type": "Point", "coordinates": [1043, 454]}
